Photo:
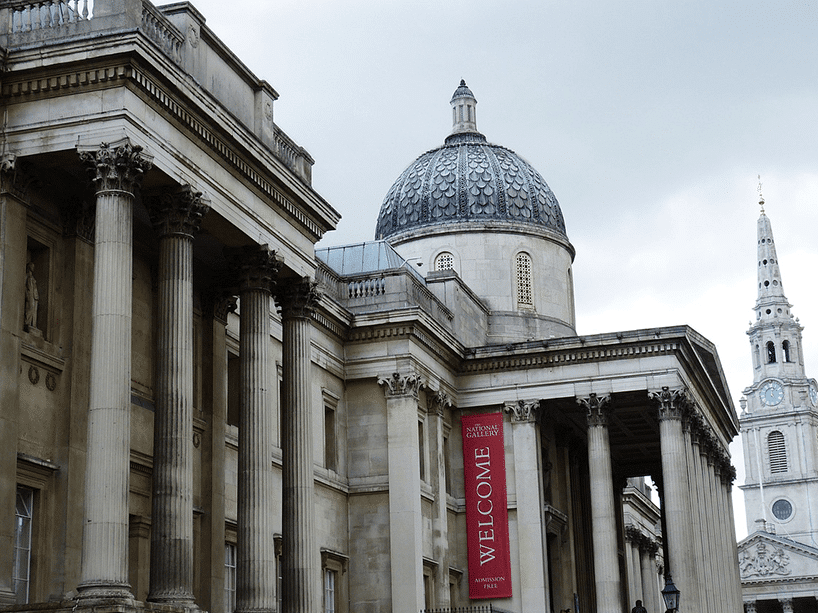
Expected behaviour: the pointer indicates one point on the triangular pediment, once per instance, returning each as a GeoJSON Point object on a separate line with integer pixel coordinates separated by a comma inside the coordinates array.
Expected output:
{"type": "Point", "coordinates": [765, 557]}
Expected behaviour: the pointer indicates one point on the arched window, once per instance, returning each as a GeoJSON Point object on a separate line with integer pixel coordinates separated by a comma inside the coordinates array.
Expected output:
{"type": "Point", "coordinates": [778, 452]}
{"type": "Point", "coordinates": [444, 261]}
{"type": "Point", "coordinates": [785, 348]}
{"type": "Point", "coordinates": [770, 352]}
{"type": "Point", "coordinates": [524, 294]}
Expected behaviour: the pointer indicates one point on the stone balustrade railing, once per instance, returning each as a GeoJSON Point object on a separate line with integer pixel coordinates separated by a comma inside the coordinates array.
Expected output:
{"type": "Point", "coordinates": [293, 155]}
{"type": "Point", "coordinates": [31, 16]}
{"type": "Point", "coordinates": [384, 289]}
{"type": "Point", "coordinates": [368, 287]}
{"type": "Point", "coordinates": [161, 31]}
{"type": "Point", "coordinates": [24, 23]}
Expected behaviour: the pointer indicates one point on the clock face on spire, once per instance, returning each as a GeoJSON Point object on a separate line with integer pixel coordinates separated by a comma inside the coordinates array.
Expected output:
{"type": "Point", "coordinates": [813, 394]}
{"type": "Point", "coordinates": [772, 393]}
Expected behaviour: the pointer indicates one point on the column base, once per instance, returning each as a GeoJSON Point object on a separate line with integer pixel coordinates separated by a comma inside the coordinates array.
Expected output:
{"type": "Point", "coordinates": [177, 601]}
{"type": "Point", "coordinates": [93, 595]}
{"type": "Point", "coordinates": [100, 604]}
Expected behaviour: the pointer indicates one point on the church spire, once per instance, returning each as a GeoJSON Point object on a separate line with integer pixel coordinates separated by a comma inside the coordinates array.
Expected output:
{"type": "Point", "coordinates": [776, 334]}
{"type": "Point", "coordinates": [771, 300]}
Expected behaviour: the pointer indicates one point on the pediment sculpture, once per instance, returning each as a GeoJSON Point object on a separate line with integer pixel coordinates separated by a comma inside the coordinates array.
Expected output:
{"type": "Point", "coordinates": [764, 561]}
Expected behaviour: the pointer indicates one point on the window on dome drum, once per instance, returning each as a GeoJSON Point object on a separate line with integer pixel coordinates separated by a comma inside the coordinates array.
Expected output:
{"type": "Point", "coordinates": [524, 294]}
{"type": "Point", "coordinates": [21, 573]}
{"type": "Point", "coordinates": [785, 348]}
{"type": "Point", "coordinates": [778, 452]}
{"type": "Point", "coordinates": [770, 352]}
{"type": "Point", "coordinates": [444, 261]}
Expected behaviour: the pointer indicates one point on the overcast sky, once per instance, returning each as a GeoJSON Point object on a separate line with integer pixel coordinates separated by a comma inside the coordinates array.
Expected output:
{"type": "Point", "coordinates": [649, 120]}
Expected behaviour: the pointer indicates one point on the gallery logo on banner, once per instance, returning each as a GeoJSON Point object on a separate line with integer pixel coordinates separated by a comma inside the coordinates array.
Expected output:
{"type": "Point", "coordinates": [484, 467]}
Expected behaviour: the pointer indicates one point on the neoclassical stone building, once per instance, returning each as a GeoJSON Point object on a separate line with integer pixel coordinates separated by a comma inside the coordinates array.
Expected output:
{"type": "Point", "coordinates": [779, 426]}
{"type": "Point", "coordinates": [200, 409]}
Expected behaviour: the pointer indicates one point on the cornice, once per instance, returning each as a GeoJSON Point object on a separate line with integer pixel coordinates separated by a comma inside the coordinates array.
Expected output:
{"type": "Point", "coordinates": [408, 330]}
{"type": "Point", "coordinates": [108, 72]}
{"type": "Point", "coordinates": [220, 146]}
{"type": "Point", "coordinates": [508, 358]}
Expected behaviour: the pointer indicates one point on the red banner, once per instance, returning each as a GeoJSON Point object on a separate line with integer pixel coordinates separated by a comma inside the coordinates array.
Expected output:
{"type": "Point", "coordinates": [484, 467]}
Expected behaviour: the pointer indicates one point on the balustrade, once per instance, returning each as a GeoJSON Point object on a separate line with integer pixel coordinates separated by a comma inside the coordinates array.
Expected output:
{"type": "Point", "coordinates": [30, 16]}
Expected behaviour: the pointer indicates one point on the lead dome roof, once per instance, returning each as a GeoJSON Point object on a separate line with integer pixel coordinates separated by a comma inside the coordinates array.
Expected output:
{"type": "Point", "coordinates": [468, 179]}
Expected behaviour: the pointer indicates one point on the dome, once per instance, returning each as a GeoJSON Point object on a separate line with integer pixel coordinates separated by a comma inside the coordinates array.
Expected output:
{"type": "Point", "coordinates": [468, 180]}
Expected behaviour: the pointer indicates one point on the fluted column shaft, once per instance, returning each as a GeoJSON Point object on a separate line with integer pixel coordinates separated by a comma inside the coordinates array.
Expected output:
{"type": "Point", "coordinates": [634, 569]}
{"type": "Point", "coordinates": [649, 592]}
{"type": "Point", "coordinates": [301, 560]}
{"type": "Point", "coordinates": [176, 218]}
{"type": "Point", "coordinates": [255, 563]}
{"type": "Point", "coordinates": [697, 554]}
{"type": "Point", "coordinates": [603, 510]}
{"type": "Point", "coordinates": [717, 530]}
{"type": "Point", "coordinates": [405, 511]}
{"type": "Point", "coordinates": [437, 403]}
{"type": "Point", "coordinates": [116, 171]}
{"type": "Point", "coordinates": [676, 504]}
{"type": "Point", "coordinates": [703, 512]}
{"type": "Point", "coordinates": [735, 579]}
{"type": "Point", "coordinates": [534, 590]}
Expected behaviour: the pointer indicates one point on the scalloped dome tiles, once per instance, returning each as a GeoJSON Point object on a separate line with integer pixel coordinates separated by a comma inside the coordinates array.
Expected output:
{"type": "Point", "coordinates": [468, 180]}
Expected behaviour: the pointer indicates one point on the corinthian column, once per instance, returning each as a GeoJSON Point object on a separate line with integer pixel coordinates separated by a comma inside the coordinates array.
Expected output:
{"type": "Point", "coordinates": [676, 502]}
{"type": "Point", "coordinates": [176, 218]}
{"type": "Point", "coordinates": [405, 513]}
{"type": "Point", "coordinates": [116, 171]}
{"type": "Point", "coordinates": [301, 559]}
{"type": "Point", "coordinates": [530, 529]}
{"type": "Point", "coordinates": [255, 269]}
{"type": "Point", "coordinates": [603, 509]}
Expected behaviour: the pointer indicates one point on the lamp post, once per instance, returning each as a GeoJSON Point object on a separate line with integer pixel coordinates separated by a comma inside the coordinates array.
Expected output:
{"type": "Point", "coordinates": [670, 594]}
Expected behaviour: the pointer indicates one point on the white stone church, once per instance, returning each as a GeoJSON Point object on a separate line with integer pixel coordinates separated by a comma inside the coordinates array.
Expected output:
{"type": "Point", "coordinates": [199, 410]}
{"type": "Point", "coordinates": [779, 426]}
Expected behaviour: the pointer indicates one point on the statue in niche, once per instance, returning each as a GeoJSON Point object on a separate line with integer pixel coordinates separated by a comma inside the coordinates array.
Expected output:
{"type": "Point", "coordinates": [32, 299]}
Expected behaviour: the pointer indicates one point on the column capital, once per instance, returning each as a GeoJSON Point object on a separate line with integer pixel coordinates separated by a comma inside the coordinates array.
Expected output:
{"type": "Point", "coordinates": [632, 534]}
{"type": "Point", "coordinates": [598, 408]}
{"type": "Point", "coordinates": [297, 298]}
{"type": "Point", "coordinates": [437, 402]}
{"type": "Point", "coordinates": [672, 402]}
{"type": "Point", "coordinates": [178, 212]}
{"type": "Point", "coordinates": [220, 305]}
{"type": "Point", "coordinates": [14, 177]}
{"type": "Point", "coordinates": [397, 385]}
{"type": "Point", "coordinates": [253, 267]}
{"type": "Point", "coordinates": [117, 166]}
{"type": "Point", "coordinates": [522, 411]}
{"type": "Point", "coordinates": [786, 605]}
{"type": "Point", "coordinates": [79, 219]}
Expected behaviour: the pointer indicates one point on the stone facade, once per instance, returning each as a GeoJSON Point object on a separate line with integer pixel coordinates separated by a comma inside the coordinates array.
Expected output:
{"type": "Point", "coordinates": [200, 409]}
{"type": "Point", "coordinates": [779, 425]}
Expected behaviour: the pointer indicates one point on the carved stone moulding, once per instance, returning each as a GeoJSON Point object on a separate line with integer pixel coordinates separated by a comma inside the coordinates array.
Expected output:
{"type": "Point", "coordinates": [598, 408]}
{"type": "Point", "coordinates": [118, 166]}
{"type": "Point", "coordinates": [397, 384]}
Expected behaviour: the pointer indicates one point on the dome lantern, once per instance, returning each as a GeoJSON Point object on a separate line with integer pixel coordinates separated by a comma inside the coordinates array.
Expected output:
{"type": "Point", "coordinates": [464, 109]}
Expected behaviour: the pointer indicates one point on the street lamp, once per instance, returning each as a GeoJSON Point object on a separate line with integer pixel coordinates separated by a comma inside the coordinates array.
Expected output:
{"type": "Point", "coordinates": [670, 593]}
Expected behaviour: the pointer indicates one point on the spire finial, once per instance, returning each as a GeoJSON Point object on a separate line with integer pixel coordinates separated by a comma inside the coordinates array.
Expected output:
{"type": "Point", "coordinates": [760, 197]}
